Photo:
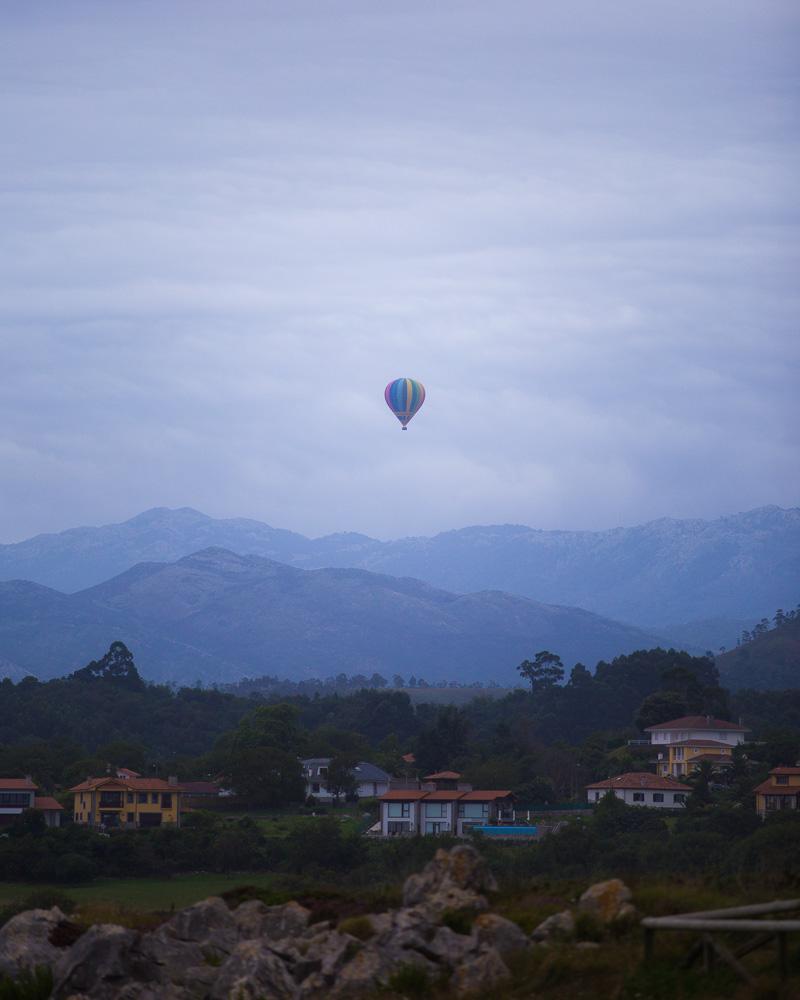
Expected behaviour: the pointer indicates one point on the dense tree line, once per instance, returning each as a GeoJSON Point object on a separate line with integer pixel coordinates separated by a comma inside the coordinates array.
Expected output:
{"type": "Point", "coordinates": [544, 744]}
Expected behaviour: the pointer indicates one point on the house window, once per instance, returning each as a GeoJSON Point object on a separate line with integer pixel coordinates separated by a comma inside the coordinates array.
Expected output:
{"type": "Point", "coordinates": [678, 797]}
{"type": "Point", "coordinates": [315, 787]}
{"type": "Point", "coordinates": [658, 796]}
{"type": "Point", "coordinates": [473, 810]}
{"type": "Point", "coordinates": [166, 800]}
{"type": "Point", "coordinates": [323, 772]}
{"type": "Point", "coordinates": [678, 753]}
{"type": "Point", "coordinates": [638, 796]}
{"type": "Point", "coordinates": [399, 809]}
{"type": "Point", "coordinates": [395, 828]}
{"type": "Point", "coordinates": [142, 797]}
{"type": "Point", "coordinates": [154, 798]}
{"type": "Point", "coordinates": [130, 817]}
{"type": "Point", "coordinates": [130, 797]}
{"type": "Point", "coordinates": [435, 809]}
{"type": "Point", "coordinates": [781, 779]}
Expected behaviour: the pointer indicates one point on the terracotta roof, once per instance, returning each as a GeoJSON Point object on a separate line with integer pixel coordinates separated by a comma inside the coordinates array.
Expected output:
{"type": "Point", "coordinates": [698, 722]}
{"type": "Point", "coordinates": [409, 758]}
{"type": "Point", "coordinates": [697, 743]}
{"type": "Point", "coordinates": [442, 776]}
{"type": "Point", "coordinates": [642, 779]}
{"type": "Point", "coordinates": [126, 772]}
{"type": "Point", "coordinates": [785, 770]}
{"type": "Point", "coordinates": [444, 796]}
{"type": "Point", "coordinates": [482, 795]}
{"type": "Point", "coordinates": [130, 784]}
{"type": "Point", "coordinates": [45, 802]}
{"type": "Point", "coordinates": [17, 785]}
{"type": "Point", "coordinates": [767, 788]}
{"type": "Point", "coordinates": [403, 796]}
{"type": "Point", "coordinates": [720, 758]}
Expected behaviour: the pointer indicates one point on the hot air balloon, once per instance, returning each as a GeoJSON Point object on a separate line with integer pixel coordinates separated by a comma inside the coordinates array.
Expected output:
{"type": "Point", "coordinates": [404, 397]}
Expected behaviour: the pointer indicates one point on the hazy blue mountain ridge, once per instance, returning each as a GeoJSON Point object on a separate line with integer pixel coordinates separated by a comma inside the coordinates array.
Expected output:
{"type": "Point", "coordinates": [736, 568]}
{"type": "Point", "coordinates": [218, 616]}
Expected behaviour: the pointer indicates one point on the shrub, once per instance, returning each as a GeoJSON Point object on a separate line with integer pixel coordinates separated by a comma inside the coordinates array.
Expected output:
{"type": "Point", "coordinates": [36, 985]}
{"type": "Point", "coordinates": [410, 981]}
{"type": "Point", "coordinates": [459, 921]}
{"type": "Point", "coordinates": [358, 927]}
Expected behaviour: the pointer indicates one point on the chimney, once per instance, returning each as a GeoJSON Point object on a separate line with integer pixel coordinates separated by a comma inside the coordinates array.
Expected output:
{"type": "Point", "coordinates": [172, 779]}
{"type": "Point", "coordinates": [29, 778]}
{"type": "Point", "coordinates": [708, 719]}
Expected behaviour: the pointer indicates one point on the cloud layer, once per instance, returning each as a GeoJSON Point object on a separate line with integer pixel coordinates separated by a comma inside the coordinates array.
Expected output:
{"type": "Point", "coordinates": [226, 229]}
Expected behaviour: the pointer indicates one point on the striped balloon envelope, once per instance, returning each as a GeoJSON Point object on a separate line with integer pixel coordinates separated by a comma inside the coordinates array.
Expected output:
{"type": "Point", "coordinates": [404, 397]}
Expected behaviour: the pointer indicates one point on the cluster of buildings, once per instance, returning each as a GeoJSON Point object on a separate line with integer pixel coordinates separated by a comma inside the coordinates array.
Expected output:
{"type": "Point", "coordinates": [440, 803]}
{"type": "Point", "coordinates": [681, 746]}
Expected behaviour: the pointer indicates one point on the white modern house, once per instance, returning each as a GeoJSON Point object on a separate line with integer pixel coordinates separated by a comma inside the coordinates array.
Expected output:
{"type": "Point", "coordinates": [641, 788]}
{"type": "Point", "coordinates": [696, 727]}
{"type": "Point", "coordinates": [371, 781]}
{"type": "Point", "coordinates": [18, 794]}
{"type": "Point", "coordinates": [442, 804]}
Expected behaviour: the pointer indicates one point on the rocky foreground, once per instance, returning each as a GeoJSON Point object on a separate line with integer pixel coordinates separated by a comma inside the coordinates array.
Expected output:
{"type": "Point", "coordinates": [259, 952]}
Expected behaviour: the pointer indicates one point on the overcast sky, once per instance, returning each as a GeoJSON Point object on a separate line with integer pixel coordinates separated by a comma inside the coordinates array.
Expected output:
{"type": "Point", "coordinates": [226, 226]}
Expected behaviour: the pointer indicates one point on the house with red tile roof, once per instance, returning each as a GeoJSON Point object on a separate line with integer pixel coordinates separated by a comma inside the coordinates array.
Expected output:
{"type": "Point", "coordinates": [781, 790]}
{"type": "Point", "coordinates": [641, 788]}
{"type": "Point", "coordinates": [697, 727]}
{"type": "Point", "coordinates": [19, 794]}
{"type": "Point", "coordinates": [114, 802]}
{"type": "Point", "coordinates": [441, 804]}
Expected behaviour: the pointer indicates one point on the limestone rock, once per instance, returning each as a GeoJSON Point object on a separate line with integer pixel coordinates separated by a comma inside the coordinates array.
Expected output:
{"type": "Point", "coordinates": [605, 899]}
{"type": "Point", "coordinates": [450, 948]}
{"type": "Point", "coordinates": [25, 941]}
{"type": "Point", "coordinates": [494, 930]}
{"type": "Point", "coordinates": [453, 880]}
{"type": "Point", "coordinates": [255, 920]}
{"type": "Point", "coordinates": [102, 963]}
{"type": "Point", "coordinates": [253, 971]}
{"type": "Point", "coordinates": [558, 926]}
{"type": "Point", "coordinates": [480, 973]}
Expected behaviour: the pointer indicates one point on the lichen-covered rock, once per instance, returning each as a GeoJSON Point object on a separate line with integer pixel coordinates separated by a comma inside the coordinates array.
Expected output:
{"type": "Point", "coordinates": [494, 930]}
{"type": "Point", "coordinates": [255, 920]}
{"type": "Point", "coordinates": [479, 973]}
{"type": "Point", "coordinates": [365, 970]}
{"type": "Point", "coordinates": [605, 899]}
{"type": "Point", "coordinates": [453, 880]}
{"type": "Point", "coordinates": [25, 941]}
{"type": "Point", "coordinates": [253, 971]}
{"type": "Point", "coordinates": [450, 948]}
{"type": "Point", "coordinates": [559, 927]}
{"type": "Point", "coordinates": [206, 922]}
{"type": "Point", "coordinates": [102, 963]}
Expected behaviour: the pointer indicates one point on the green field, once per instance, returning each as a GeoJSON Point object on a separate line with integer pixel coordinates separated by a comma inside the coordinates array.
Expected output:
{"type": "Point", "coordinates": [142, 894]}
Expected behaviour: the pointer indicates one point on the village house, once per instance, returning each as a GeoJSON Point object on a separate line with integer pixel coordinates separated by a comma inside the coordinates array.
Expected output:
{"type": "Point", "coordinates": [115, 802]}
{"type": "Point", "coordinates": [683, 744]}
{"type": "Point", "coordinates": [781, 790]}
{"type": "Point", "coordinates": [371, 781]}
{"type": "Point", "coordinates": [641, 788]}
{"type": "Point", "coordinates": [19, 794]}
{"type": "Point", "coordinates": [441, 804]}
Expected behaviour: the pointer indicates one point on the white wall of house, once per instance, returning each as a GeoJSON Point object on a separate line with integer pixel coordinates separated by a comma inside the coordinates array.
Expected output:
{"type": "Point", "coordinates": [398, 818]}
{"type": "Point", "coordinates": [654, 798]}
{"type": "Point", "coordinates": [667, 736]}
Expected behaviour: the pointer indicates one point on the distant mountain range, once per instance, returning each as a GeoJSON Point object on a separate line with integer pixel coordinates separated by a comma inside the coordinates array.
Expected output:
{"type": "Point", "coordinates": [701, 582]}
{"type": "Point", "coordinates": [218, 616]}
{"type": "Point", "coordinates": [770, 661]}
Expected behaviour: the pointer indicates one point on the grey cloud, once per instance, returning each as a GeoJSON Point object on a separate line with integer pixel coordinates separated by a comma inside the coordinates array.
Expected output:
{"type": "Point", "coordinates": [224, 233]}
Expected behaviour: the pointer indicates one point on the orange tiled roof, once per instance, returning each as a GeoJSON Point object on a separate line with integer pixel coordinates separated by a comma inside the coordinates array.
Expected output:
{"type": "Point", "coordinates": [767, 788]}
{"type": "Point", "coordinates": [785, 770]}
{"type": "Point", "coordinates": [45, 802]}
{"type": "Point", "coordinates": [411, 795]}
{"type": "Point", "coordinates": [443, 796]}
{"type": "Point", "coordinates": [697, 743]}
{"type": "Point", "coordinates": [482, 795]}
{"type": "Point", "coordinates": [642, 779]}
{"type": "Point", "coordinates": [17, 785]}
{"type": "Point", "coordinates": [130, 784]}
{"type": "Point", "coordinates": [698, 722]}
{"type": "Point", "coordinates": [442, 776]}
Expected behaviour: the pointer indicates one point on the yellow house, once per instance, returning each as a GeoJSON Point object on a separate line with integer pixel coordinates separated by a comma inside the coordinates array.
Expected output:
{"type": "Point", "coordinates": [675, 760]}
{"type": "Point", "coordinates": [119, 802]}
{"type": "Point", "coordinates": [781, 790]}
